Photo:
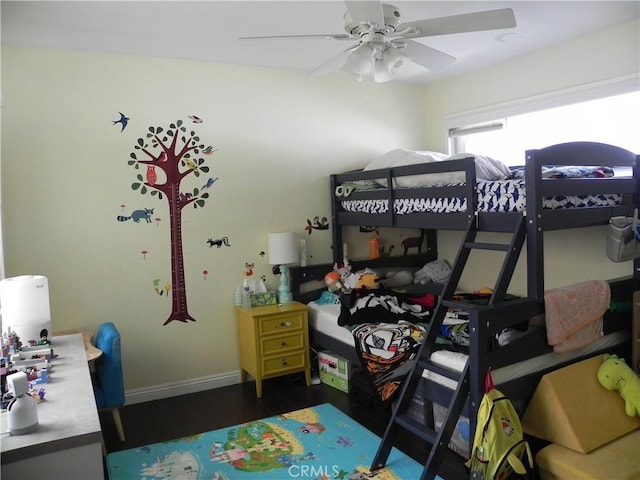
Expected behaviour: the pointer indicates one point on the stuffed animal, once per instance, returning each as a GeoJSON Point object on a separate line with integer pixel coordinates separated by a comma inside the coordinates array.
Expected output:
{"type": "Point", "coordinates": [436, 271]}
{"type": "Point", "coordinates": [615, 374]}
{"type": "Point", "coordinates": [367, 279]}
{"type": "Point", "coordinates": [332, 280]}
{"type": "Point", "coordinates": [344, 271]}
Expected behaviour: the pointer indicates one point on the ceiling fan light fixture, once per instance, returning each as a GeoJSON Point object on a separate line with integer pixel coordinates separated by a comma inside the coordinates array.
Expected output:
{"type": "Point", "coordinates": [360, 61]}
{"type": "Point", "coordinates": [382, 73]}
{"type": "Point", "coordinates": [393, 58]}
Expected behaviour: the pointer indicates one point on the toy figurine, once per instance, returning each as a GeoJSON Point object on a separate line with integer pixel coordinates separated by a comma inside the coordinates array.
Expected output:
{"type": "Point", "coordinates": [44, 337]}
{"type": "Point", "coordinates": [332, 279]}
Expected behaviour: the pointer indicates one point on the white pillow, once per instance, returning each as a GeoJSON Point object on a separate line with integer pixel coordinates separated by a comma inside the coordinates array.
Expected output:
{"type": "Point", "coordinates": [401, 157]}
{"type": "Point", "coordinates": [487, 168]}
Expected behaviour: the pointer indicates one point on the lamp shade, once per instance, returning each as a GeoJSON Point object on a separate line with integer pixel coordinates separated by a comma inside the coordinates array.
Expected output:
{"type": "Point", "coordinates": [283, 248]}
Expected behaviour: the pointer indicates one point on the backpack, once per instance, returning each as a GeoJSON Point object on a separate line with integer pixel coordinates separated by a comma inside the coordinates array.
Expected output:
{"type": "Point", "coordinates": [499, 448]}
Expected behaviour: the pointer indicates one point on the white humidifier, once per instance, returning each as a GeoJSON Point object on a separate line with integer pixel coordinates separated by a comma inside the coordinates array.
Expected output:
{"type": "Point", "coordinates": [25, 307]}
{"type": "Point", "coordinates": [22, 411]}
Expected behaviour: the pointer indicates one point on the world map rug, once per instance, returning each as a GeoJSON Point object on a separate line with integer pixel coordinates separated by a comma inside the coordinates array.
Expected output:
{"type": "Point", "coordinates": [316, 443]}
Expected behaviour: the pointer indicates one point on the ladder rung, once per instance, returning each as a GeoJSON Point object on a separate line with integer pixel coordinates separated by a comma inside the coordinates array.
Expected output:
{"type": "Point", "coordinates": [449, 303]}
{"type": "Point", "coordinates": [487, 246]}
{"type": "Point", "coordinates": [439, 369]}
{"type": "Point", "coordinates": [459, 305]}
{"type": "Point", "coordinates": [417, 428]}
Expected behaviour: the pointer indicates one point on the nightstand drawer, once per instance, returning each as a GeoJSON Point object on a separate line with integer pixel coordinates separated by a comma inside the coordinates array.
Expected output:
{"type": "Point", "coordinates": [281, 323]}
{"type": "Point", "coordinates": [272, 345]}
{"type": "Point", "coordinates": [280, 363]}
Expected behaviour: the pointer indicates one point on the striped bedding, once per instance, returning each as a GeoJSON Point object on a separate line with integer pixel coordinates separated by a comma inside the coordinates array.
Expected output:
{"type": "Point", "coordinates": [493, 196]}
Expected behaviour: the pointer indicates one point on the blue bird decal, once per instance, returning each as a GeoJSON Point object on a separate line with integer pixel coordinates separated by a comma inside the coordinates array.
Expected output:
{"type": "Point", "coordinates": [123, 120]}
{"type": "Point", "coordinates": [209, 182]}
{"type": "Point", "coordinates": [209, 150]}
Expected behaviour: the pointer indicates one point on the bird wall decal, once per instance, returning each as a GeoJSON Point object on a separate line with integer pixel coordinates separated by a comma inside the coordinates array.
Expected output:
{"type": "Point", "coordinates": [317, 224]}
{"type": "Point", "coordinates": [124, 120]}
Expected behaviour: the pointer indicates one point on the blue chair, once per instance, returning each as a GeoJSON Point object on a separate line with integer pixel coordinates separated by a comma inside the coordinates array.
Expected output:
{"type": "Point", "coordinates": [108, 385]}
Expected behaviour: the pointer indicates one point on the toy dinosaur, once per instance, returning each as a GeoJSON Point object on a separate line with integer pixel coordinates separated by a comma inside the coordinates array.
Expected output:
{"type": "Point", "coordinates": [615, 374]}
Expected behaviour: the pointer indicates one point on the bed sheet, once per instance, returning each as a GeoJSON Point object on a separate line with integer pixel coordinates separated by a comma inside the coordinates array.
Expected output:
{"type": "Point", "coordinates": [493, 196]}
{"type": "Point", "coordinates": [324, 318]}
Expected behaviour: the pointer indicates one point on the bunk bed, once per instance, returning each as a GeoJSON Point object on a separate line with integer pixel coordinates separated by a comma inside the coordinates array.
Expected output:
{"type": "Point", "coordinates": [546, 201]}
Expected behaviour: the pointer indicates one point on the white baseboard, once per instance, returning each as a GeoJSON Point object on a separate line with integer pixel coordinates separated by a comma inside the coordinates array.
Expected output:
{"type": "Point", "coordinates": [167, 390]}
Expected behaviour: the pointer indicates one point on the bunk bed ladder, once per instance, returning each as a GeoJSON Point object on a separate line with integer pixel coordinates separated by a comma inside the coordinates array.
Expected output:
{"type": "Point", "coordinates": [400, 420]}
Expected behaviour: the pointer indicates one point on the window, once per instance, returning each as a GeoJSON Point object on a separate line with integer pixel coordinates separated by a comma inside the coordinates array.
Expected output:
{"type": "Point", "coordinates": [614, 119]}
{"type": "Point", "coordinates": [488, 139]}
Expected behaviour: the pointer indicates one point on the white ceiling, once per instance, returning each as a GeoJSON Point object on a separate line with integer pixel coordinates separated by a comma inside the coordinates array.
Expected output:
{"type": "Point", "coordinates": [208, 30]}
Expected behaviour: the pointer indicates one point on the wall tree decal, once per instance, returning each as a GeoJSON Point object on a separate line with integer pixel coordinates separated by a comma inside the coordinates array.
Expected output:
{"type": "Point", "coordinates": [173, 155]}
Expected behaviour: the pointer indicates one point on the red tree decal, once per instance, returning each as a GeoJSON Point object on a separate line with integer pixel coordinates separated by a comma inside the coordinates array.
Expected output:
{"type": "Point", "coordinates": [173, 154]}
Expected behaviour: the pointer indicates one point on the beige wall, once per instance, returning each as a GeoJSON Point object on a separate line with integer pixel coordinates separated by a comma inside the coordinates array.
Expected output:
{"type": "Point", "coordinates": [280, 133]}
{"type": "Point", "coordinates": [571, 255]}
{"type": "Point", "coordinates": [65, 175]}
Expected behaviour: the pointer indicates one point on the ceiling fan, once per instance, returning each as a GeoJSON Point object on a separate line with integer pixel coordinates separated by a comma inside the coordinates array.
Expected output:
{"type": "Point", "coordinates": [384, 42]}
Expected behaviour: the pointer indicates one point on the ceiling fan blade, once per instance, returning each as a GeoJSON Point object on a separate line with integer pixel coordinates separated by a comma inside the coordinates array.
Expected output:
{"type": "Point", "coordinates": [466, 22]}
{"type": "Point", "coordinates": [333, 64]}
{"type": "Point", "coordinates": [329, 36]}
{"type": "Point", "coordinates": [428, 57]}
{"type": "Point", "coordinates": [366, 11]}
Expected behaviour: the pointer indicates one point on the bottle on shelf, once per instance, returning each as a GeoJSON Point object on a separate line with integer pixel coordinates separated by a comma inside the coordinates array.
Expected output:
{"type": "Point", "coordinates": [246, 294]}
{"type": "Point", "coordinates": [238, 296]}
{"type": "Point", "coordinates": [374, 248]}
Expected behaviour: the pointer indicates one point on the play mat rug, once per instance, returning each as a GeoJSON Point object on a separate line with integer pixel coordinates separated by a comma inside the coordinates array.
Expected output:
{"type": "Point", "coordinates": [317, 443]}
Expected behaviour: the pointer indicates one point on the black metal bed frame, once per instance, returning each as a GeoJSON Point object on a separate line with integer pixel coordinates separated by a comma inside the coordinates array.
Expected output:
{"type": "Point", "coordinates": [486, 321]}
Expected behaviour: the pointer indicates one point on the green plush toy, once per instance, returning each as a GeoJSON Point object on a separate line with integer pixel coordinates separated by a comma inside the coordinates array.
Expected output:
{"type": "Point", "coordinates": [615, 374]}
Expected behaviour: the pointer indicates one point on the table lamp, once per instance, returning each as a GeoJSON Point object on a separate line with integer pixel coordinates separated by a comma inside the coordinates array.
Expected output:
{"type": "Point", "coordinates": [283, 250]}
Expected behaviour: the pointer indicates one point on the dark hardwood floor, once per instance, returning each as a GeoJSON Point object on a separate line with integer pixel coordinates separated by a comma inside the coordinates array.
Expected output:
{"type": "Point", "coordinates": [175, 417]}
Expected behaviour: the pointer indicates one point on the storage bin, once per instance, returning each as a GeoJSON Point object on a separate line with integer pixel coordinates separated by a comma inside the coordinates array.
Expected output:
{"type": "Point", "coordinates": [622, 235]}
{"type": "Point", "coordinates": [460, 442]}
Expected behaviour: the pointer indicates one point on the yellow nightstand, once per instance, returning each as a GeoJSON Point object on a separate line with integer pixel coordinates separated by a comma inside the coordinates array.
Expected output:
{"type": "Point", "coordinates": [273, 341]}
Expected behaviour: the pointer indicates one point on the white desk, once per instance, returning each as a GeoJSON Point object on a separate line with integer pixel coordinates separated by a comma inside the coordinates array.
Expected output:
{"type": "Point", "coordinates": [68, 441]}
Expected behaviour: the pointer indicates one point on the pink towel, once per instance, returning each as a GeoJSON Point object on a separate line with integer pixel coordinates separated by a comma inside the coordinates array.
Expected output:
{"type": "Point", "coordinates": [573, 314]}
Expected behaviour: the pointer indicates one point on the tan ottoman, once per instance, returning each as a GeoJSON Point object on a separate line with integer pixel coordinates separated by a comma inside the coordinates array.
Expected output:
{"type": "Point", "coordinates": [619, 460]}
{"type": "Point", "coordinates": [571, 408]}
